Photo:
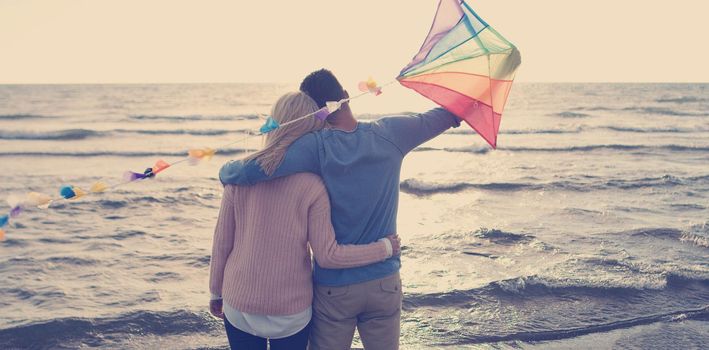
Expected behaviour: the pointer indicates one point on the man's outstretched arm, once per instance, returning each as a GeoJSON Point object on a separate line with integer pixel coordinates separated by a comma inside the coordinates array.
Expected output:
{"type": "Point", "coordinates": [408, 132]}
{"type": "Point", "coordinates": [302, 157]}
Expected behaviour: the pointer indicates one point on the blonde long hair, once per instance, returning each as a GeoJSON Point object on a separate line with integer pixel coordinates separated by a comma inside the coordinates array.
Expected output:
{"type": "Point", "coordinates": [289, 107]}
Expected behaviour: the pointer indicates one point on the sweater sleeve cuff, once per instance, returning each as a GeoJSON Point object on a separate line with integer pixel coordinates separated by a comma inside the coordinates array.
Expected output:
{"type": "Point", "coordinates": [389, 248]}
{"type": "Point", "coordinates": [456, 120]}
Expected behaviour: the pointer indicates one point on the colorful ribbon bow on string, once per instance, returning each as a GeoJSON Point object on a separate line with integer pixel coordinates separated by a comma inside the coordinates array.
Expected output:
{"type": "Point", "coordinates": [29, 200]}
{"type": "Point", "coordinates": [196, 154]}
{"type": "Point", "coordinates": [132, 176]}
{"type": "Point", "coordinates": [161, 165]}
{"type": "Point", "coordinates": [18, 204]}
{"type": "Point", "coordinates": [71, 192]}
{"type": "Point", "coordinates": [3, 222]}
{"type": "Point", "coordinates": [270, 125]}
{"type": "Point", "coordinates": [322, 113]}
{"type": "Point", "coordinates": [98, 187]}
{"type": "Point", "coordinates": [330, 107]}
{"type": "Point", "coordinates": [370, 86]}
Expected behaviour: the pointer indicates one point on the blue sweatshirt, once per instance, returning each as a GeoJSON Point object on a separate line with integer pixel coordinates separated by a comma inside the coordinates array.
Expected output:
{"type": "Point", "coordinates": [361, 171]}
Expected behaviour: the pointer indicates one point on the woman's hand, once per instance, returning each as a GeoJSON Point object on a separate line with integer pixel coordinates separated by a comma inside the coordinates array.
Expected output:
{"type": "Point", "coordinates": [395, 244]}
{"type": "Point", "coordinates": [216, 308]}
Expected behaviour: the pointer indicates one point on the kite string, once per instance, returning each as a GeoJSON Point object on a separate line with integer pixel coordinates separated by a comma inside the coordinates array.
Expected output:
{"type": "Point", "coordinates": [177, 162]}
{"type": "Point", "coordinates": [217, 149]}
{"type": "Point", "coordinates": [340, 102]}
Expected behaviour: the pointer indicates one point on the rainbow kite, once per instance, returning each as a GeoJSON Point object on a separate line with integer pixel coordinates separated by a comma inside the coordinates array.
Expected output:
{"type": "Point", "coordinates": [466, 67]}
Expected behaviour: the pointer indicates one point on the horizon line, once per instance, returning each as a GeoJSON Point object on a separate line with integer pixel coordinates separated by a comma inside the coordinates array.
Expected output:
{"type": "Point", "coordinates": [294, 82]}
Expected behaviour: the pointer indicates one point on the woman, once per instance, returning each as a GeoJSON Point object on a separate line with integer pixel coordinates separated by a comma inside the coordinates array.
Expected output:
{"type": "Point", "coordinates": [261, 263]}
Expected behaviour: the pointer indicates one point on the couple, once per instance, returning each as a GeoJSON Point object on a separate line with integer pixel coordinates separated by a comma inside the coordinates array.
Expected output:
{"type": "Point", "coordinates": [334, 187]}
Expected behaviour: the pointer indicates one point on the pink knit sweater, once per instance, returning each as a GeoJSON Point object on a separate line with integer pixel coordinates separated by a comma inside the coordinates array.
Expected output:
{"type": "Point", "coordinates": [260, 258]}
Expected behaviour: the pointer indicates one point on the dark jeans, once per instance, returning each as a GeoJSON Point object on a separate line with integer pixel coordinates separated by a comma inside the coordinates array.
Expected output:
{"type": "Point", "coordinates": [239, 340]}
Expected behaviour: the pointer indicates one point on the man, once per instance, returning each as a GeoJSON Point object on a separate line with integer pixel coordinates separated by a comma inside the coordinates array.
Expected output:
{"type": "Point", "coordinates": [360, 164]}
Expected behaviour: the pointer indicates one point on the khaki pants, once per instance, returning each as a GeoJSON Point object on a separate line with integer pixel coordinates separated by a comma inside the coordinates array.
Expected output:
{"type": "Point", "coordinates": [374, 307]}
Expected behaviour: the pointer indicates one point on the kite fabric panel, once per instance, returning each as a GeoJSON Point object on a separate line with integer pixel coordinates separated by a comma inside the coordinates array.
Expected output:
{"type": "Point", "coordinates": [465, 66]}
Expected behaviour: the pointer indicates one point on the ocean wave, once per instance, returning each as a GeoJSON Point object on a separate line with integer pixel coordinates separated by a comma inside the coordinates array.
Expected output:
{"type": "Point", "coordinates": [697, 235]}
{"type": "Point", "coordinates": [644, 110]}
{"type": "Point", "coordinates": [586, 148]}
{"type": "Point", "coordinates": [80, 134]}
{"type": "Point", "coordinates": [654, 130]}
{"type": "Point", "coordinates": [661, 181]}
{"type": "Point", "coordinates": [179, 118]}
{"type": "Point", "coordinates": [77, 332]}
{"type": "Point", "coordinates": [593, 108]}
{"type": "Point", "coordinates": [65, 135]}
{"type": "Point", "coordinates": [232, 151]}
{"type": "Point", "coordinates": [535, 286]}
{"type": "Point", "coordinates": [502, 237]}
{"type": "Point", "coordinates": [620, 147]}
{"type": "Point", "coordinates": [141, 201]}
{"type": "Point", "coordinates": [664, 111]}
{"type": "Point", "coordinates": [683, 99]}
{"type": "Point", "coordinates": [169, 200]}
{"type": "Point", "coordinates": [203, 132]}
{"type": "Point", "coordinates": [629, 273]}
{"type": "Point", "coordinates": [20, 116]}
{"type": "Point", "coordinates": [584, 128]}
{"type": "Point", "coordinates": [591, 276]}
{"type": "Point", "coordinates": [561, 332]}
{"type": "Point", "coordinates": [423, 188]}
{"type": "Point", "coordinates": [121, 235]}
{"type": "Point", "coordinates": [466, 131]}
{"type": "Point", "coordinates": [466, 149]}
{"type": "Point", "coordinates": [569, 114]}
{"type": "Point", "coordinates": [542, 131]}
{"type": "Point", "coordinates": [687, 206]}
{"type": "Point", "coordinates": [189, 259]}
{"type": "Point", "coordinates": [111, 204]}
{"type": "Point", "coordinates": [375, 116]}
{"type": "Point", "coordinates": [71, 260]}
{"type": "Point", "coordinates": [539, 285]}
{"type": "Point", "coordinates": [478, 242]}
{"type": "Point", "coordinates": [39, 296]}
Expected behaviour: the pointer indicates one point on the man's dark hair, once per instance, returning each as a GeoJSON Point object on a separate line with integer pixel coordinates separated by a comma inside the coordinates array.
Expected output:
{"type": "Point", "coordinates": [322, 86]}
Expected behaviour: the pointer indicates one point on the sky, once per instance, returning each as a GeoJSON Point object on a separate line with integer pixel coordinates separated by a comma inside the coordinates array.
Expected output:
{"type": "Point", "coordinates": [173, 41]}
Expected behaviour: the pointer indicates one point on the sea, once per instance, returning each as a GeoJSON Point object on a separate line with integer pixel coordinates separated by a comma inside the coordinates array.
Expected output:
{"type": "Point", "coordinates": [587, 227]}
